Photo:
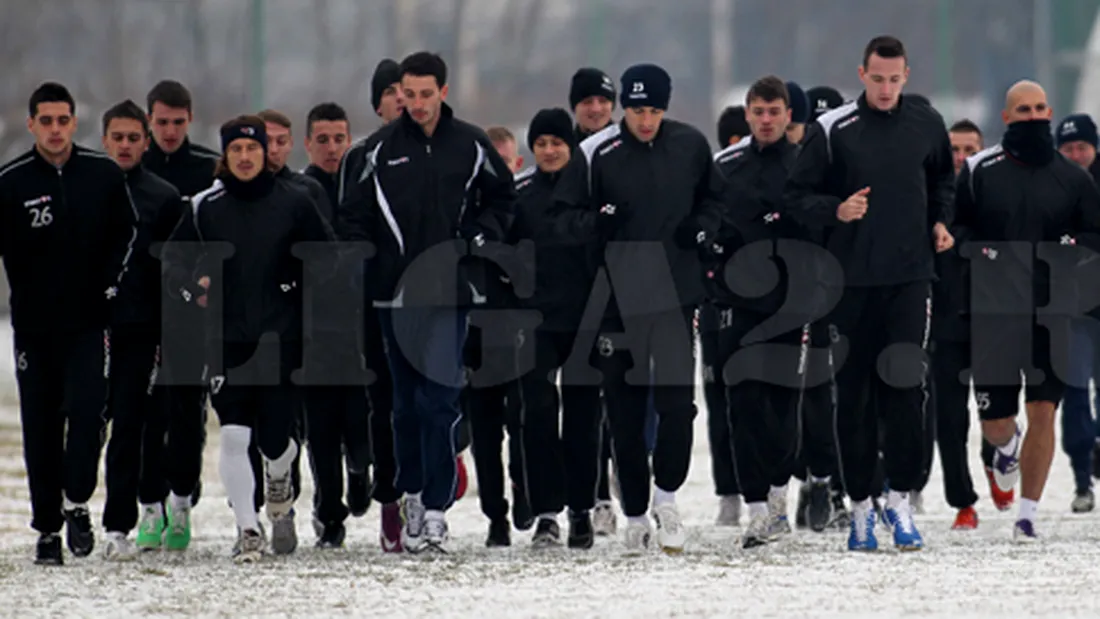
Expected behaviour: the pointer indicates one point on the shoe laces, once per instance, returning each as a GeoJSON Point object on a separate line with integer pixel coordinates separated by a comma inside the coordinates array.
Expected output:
{"type": "Point", "coordinates": [279, 489]}
{"type": "Point", "coordinates": [668, 518]}
{"type": "Point", "coordinates": [435, 528]}
{"type": "Point", "coordinates": [414, 516]}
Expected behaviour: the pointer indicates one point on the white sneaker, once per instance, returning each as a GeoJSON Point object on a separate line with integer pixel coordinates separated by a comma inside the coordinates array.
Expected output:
{"type": "Point", "coordinates": [412, 534]}
{"type": "Point", "coordinates": [118, 547]}
{"type": "Point", "coordinates": [729, 511]}
{"type": "Point", "coordinates": [671, 535]}
{"type": "Point", "coordinates": [250, 546]}
{"type": "Point", "coordinates": [436, 534]}
{"type": "Point", "coordinates": [279, 504]}
{"type": "Point", "coordinates": [637, 537]}
{"type": "Point", "coordinates": [757, 533]}
{"type": "Point", "coordinates": [777, 512]}
{"type": "Point", "coordinates": [603, 519]}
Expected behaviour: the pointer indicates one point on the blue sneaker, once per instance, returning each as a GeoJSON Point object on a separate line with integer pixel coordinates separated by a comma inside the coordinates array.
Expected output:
{"type": "Point", "coordinates": [906, 535]}
{"type": "Point", "coordinates": [1024, 532]}
{"type": "Point", "coordinates": [1006, 469]}
{"type": "Point", "coordinates": [861, 536]}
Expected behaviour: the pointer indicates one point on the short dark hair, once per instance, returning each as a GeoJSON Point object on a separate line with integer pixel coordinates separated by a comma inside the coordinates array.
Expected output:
{"type": "Point", "coordinates": [425, 64]}
{"type": "Point", "coordinates": [325, 111]}
{"type": "Point", "coordinates": [170, 93]}
{"type": "Point", "coordinates": [129, 110]}
{"type": "Point", "coordinates": [769, 88]}
{"type": "Point", "coordinates": [732, 122]}
{"type": "Point", "coordinates": [965, 126]}
{"type": "Point", "coordinates": [885, 46]}
{"type": "Point", "coordinates": [275, 117]}
{"type": "Point", "coordinates": [50, 92]}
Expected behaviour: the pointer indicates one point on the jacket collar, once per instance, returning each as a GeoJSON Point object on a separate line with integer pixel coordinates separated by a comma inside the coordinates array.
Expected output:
{"type": "Point", "coordinates": [775, 149]}
{"type": "Point", "coordinates": [864, 107]}
{"type": "Point", "coordinates": [628, 137]}
{"type": "Point", "coordinates": [182, 152]}
{"type": "Point", "coordinates": [68, 162]}
{"type": "Point", "coordinates": [446, 117]}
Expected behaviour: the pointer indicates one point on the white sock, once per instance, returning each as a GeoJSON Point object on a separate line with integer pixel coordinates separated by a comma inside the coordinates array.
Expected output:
{"type": "Point", "coordinates": [660, 497]}
{"type": "Point", "coordinates": [280, 467]}
{"type": "Point", "coordinates": [865, 504]}
{"type": "Point", "coordinates": [413, 496]}
{"type": "Point", "coordinates": [897, 501]}
{"type": "Point", "coordinates": [157, 508]}
{"type": "Point", "coordinates": [642, 520]}
{"type": "Point", "coordinates": [178, 502]}
{"type": "Point", "coordinates": [1009, 448]}
{"type": "Point", "coordinates": [1029, 509]}
{"type": "Point", "coordinates": [236, 472]}
{"type": "Point", "coordinates": [435, 514]}
{"type": "Point", "coordinates": [820, 480]}
{"type": "Point", "coordinates": [777, 491]}
{"type": "Point", "coordinates": [758, 510]}
{"type": "Point", "coordinates": [69, 506]}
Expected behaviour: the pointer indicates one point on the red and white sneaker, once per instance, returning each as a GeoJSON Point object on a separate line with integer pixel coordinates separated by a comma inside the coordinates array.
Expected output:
{"type": "Point", "coordinates": [1002, 499]}
{"type": "Point", "coordinates": [966, 519]}
{"type": "Point", "coordinates": [390, 533]}
{"type": "Point", "coordinates": [463, 477]}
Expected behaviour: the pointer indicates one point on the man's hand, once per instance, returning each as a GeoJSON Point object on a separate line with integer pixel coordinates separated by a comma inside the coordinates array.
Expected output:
{"type": "Point", "coordinates": [944, 240]}
{"type": "Point", "coordinates": [204, 283]}
{"type": "Point", "coordinates": [855, 207]}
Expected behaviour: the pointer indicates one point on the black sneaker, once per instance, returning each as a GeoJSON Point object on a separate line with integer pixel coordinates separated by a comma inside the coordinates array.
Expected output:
{"type": "Point", "coordinates": [820, 507]}
{"type": "Point", "coordinates": [48, 551]}
{"type": "Point", "coordinates": [358, 493]}
{"type": "Point", "coordinates": [78, 531]}
{"type": "Point", "coordinates": [800, 513]}
{"type": "Point", "coordinates": [522, 515]}
{"type": "Point", "coordinates": [547, 534]}
{"type": "Point", "coordinates": [581, 534]}
{"type": "Point", "coordinates": [332, 535]}
{"type": "Point", "coordinates": [500, 534]}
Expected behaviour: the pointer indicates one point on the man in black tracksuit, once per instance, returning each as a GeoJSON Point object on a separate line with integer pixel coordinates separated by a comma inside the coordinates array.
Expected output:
{"type": "Point", "coordinates": [765, 343]}
{"type": "Point", "coordinates": [560, 466]}
{"type": "Point", "coordinates": [647, 189]}
{"type": "Point", "coordinates": [65, 236]}
{"type": "Point", "coordinates": [387, 101]}
{"type": "Point", "coordinates": [1020, 208]}
{"type": "Point", "coordinates": [877, 174]}
{"type": "Point", "coordinates": [189, 167]}
{"type": "Point", "coordinates": [133, 475]}
{"type": "Point", "coordinates": [434, 187]}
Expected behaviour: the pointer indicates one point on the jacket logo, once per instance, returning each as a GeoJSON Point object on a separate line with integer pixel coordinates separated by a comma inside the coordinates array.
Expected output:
{"type": "Point", "coordinates": [610, 147]}
{"type": "Point", "coordinates": [37, 201]}
{"type": "Point", "coordinates": [605, 346]}
{"type": "Point", "coordinates": [398, 161]}
{"type": "Point", "coordinates": [771, 218]}
{"type": "Point", "coordinates": [989, 252]}
{"type": "Point", "coordinates": [847, 123]}
{"type": "Point", "coordinates": [731, 156]}
{"type": "Point", "coordinates": [989, 162]}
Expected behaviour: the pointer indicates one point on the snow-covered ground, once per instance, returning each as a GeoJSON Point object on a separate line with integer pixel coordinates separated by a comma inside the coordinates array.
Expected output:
{"type": "Point", "coordinates": [978, 573]}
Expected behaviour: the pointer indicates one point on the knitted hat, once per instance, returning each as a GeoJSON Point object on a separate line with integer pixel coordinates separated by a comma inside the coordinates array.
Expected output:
{"type": "Point", "coordinates": [1076, 128]}
{"type": "Point", "coordinates": [590, 82]}
{"type": "Point", "coordinates": [822, 99]}
{"type": "Point", "coordinates": [800, 104]}
{"type": "Point", "coordinates": [243, 129]}
{"type": "Point", "coordinates": [551, 121]}
{"type": "Point", "coordinates": [646, 85]}
{"type": "Point", "coordinates": [387, 73]}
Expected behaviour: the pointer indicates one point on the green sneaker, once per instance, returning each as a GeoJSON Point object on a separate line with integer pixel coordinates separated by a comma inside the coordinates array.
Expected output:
{"type": "Point", "coordinates": [178, 534]}
{"type": "Point", "coordinates": [150, 529]}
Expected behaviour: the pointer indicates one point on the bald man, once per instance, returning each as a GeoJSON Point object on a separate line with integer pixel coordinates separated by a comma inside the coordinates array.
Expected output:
{"type": "Point", "coordinates": [1020, 191]}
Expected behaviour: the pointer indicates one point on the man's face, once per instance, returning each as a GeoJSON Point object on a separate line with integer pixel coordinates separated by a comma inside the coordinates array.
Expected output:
{"type": "Point", "coordinates": [1080, 152]}
{"type": "Point", "coordinates": [53, 126]}
{"type": "Point", "coordinates": [963, 145]}
{"type": "Point", "coordinates": [125, 142]}
{"type": "Point", "coordinates": [1029, 104]}
{"type": "Point", "coordinates": [767, 120]}
{"type": "Point", "coordinates": [509, 152]}
{"type": "Point", "coordinates": [279, 146]}
{"type": "Point", "coordinates": [593, 113]}
{"type": "Point", "coordinates": [327, 143]}
{"type": "Point", "coordinates": [423, 98]}
{"type": "Point", "coordinates": [643, 122]}
{"type": "Point", "coordinates": [551, 153]}
{"type": "Point", "coordinates": [169, 126]}
{"type": "Point", "coordinates": [795, 132]}
{"type": "Point", "coordinates": [392, 103]}
{"type": "Point", "coordinates": [883, 78]}
{"type": "Point", "coordinates": [245, 158]}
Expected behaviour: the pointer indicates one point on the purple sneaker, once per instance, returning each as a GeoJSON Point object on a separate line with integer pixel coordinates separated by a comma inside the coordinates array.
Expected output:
{"type": "Point", "coordinates": [1006, 469]}
{"type": "Point", "coordinates": [1024, 532]}
{"type": "Point", "coordinates": [390, 532]}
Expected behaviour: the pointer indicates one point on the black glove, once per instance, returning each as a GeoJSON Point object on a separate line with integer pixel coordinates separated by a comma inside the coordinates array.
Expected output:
{"type": "Point", "coordinates": [690, 236]}
{"type": "Point", "coordinates": [609, 220]}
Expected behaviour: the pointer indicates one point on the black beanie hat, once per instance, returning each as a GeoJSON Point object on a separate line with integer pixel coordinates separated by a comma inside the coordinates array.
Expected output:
{"type": "Point", "coordinates": [590, 82]}
{"type": "Point", "coordinates": [732, 123]}
{"type": "Point", "coordinates": [386, 73]}
{"type": "Point", "coordinates": [551, 121]}
{"type": "Point", "coordinates": [822, 99]}
{"type": "Point", "coordinates": [800, 103]}
{"type": "Point", "coordinates": [244, 129]}
{"type": "Point", "coordinates": [1076, 128]}
{"type": "Point", "coordinates": [646, 85]}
